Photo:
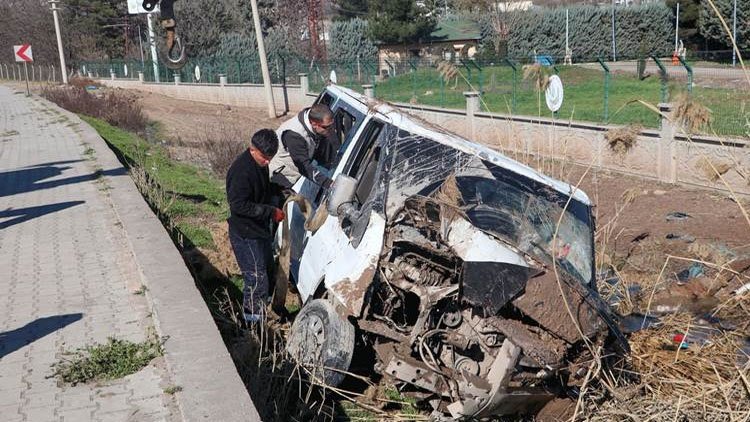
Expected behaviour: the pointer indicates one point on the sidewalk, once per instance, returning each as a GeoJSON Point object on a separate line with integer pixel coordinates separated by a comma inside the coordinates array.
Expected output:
{"type": "Point", "coordinates": [74, 238]}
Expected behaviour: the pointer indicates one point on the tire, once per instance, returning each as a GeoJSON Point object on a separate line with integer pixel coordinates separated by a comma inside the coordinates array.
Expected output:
{"type": "Point", "coordinates": [321, 339]}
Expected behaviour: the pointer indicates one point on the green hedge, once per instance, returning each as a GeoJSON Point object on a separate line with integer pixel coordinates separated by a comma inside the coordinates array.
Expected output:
{"type": "Point", "coordinates": [645, 29]}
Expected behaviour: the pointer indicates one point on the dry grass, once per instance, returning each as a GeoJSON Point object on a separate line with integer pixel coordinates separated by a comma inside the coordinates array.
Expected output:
{"type": "Point", "coordinates": [690, 114]}
{"type": "Point", "coordinates": [447, 70]}
{"type": "Point", "coordinates": [622, 139]}
{"type": "Point", "coordinates": [712, 170]}
{"type": "Point", "coordinates": [537, 75]}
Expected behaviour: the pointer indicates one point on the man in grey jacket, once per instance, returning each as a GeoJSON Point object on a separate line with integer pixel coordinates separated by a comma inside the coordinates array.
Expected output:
{"type": "Point", "coordinates": [309, 147]}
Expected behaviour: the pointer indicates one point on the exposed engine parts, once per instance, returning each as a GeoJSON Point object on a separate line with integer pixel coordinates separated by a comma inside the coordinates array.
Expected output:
{"type": "Point", "coordinates": [458, 354]}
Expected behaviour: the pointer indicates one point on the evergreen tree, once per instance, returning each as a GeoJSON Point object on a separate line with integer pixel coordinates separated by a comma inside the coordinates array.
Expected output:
{"type": "Point", "coordinates": [399, 21]}
{"type": "Point", "coordinates": [349, 9]}
{"type": "Point", "coordinates": [349, 41]}
{"type": "Point", "coordinates": [712, 30]}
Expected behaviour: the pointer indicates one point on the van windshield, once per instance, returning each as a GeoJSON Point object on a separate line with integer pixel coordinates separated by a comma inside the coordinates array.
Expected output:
{"type": "Point", "coordinates": [527, 216]}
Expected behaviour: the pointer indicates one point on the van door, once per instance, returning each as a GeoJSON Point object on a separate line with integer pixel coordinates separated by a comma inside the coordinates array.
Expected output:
{"type": "Point", "coordinates": [347, 121]}
{"type": "Point", "coordinates": [344, 252]}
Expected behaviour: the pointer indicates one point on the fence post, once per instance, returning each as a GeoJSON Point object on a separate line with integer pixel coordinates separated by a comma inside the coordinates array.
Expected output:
{"type": "Point", "coordinates": [663, 76]}
{"type": "Point", "coordinates": [112, 74]}
{"type": "Point", "coordinates": [667, 150]}
{"type": "Point", "coordinates": [689, 70]}
{"type": "Point", "coordinates": [368, 90]}
{"type": "Point", "coordinates": [513, 66]}
{"type": "Point", "coordinates": [472, 106]}
{"type": "Point", "coordinates": [141, 78]}
{"type": "Point", "coordinates": [304, 84]}
{"type": "Point", "coordinates": [222, 79]}
{"type": "Point", "coordinates": [606, 89]}
{"type": "Point", "coordinates": [177, 78]}
{"type": "Point", "coordinates": [413, 79]}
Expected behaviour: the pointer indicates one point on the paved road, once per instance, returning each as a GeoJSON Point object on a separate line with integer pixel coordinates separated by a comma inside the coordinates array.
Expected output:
{"type": "Point", "coordinates": [68, 276]}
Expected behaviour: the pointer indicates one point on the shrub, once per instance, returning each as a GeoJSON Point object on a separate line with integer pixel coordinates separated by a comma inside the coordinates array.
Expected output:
{"type": "Point", "coordinates": [222, 146]}
{"type": "Point", "coordinates": [638, 29]}
{"type": "Point", "coordinates": [115, 107]}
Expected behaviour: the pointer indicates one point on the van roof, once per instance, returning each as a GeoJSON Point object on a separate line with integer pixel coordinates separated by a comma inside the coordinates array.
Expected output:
{"type": "Point", "coordinates": [415, 126]}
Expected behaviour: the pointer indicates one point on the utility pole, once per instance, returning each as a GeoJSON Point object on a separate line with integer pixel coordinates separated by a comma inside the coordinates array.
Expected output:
{"type": "Point", "coordinates": [263, 62]}
{"type": "Point", "coordinates": [140, 46]}
{"type": "Point", "coordinates": [152, 43]}
{"type": "Point", "coordinates": [63, 68]}
{"type": "Point", "coordinates": [614, 43]}
{"type": "Point", "coordinates": [734, 34]}
{"type": "Point", "coordinates": [676, 26]}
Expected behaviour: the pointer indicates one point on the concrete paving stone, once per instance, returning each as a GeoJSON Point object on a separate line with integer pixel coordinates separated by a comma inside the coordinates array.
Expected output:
{"type": "Point", "coordinates": [11, 397]}
{"type": "Point", "coordinates": [10, 412]}
{"type": "Point", "coordinates": [124, 415]}
{"type": "Point", "coordinates": [76, 415]}
{"type": "Point", "coordinates": [40, 399]}
{"type": "Point", "coordinates": [40, 414]}
{"type": "Point", "coordinates": [76, 399]}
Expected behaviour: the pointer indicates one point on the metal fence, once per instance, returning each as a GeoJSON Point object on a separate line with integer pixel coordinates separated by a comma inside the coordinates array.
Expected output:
{"type": "Point", "coordinates": [37, 72]}
{"type": "Point", "coordinates": [594, 90]}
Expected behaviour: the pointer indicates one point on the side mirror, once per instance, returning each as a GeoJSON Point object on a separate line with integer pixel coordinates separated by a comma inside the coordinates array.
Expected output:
{"type": "Point", "coordinates": [344, 188]}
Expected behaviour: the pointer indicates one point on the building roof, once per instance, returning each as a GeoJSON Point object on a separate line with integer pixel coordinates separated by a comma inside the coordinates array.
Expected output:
{"type": "Point", "coordinates": [455, 30]}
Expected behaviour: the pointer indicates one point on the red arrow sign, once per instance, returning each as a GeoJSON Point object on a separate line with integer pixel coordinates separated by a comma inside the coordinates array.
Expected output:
{"type": "Point", "coordinates": [23, 53]}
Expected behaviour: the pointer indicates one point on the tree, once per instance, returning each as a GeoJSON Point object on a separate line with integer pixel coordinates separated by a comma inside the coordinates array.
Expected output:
{"type": "Point", "coordinates": [712, 30]}
{"type": "Point", "coordinates": [689, 13]}
{"type": "Point", "coordinates": [349, 40]}
{"type": "Point", "coordinates": [349, 9]}
{"type": "Point", "coordinates": [399, 21]}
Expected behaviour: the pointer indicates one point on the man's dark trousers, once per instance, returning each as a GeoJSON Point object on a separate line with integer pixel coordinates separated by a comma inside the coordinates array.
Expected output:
{"type": "Point", "coordinates": [254, 258]}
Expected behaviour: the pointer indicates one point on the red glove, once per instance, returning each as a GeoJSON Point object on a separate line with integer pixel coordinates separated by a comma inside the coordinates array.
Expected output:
{"type": "Point", "coordinates": [278, 215]}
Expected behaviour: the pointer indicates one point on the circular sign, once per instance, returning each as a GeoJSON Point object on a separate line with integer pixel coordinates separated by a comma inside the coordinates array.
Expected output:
{"type": "Point", "coordinates": [125, 69]}
{"type": "Point", "coordinates": [554, 93]}
{"type": "Point", "coordinates": [197, 73]}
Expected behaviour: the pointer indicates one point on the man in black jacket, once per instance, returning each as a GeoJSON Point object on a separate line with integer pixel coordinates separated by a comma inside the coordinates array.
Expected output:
{"type": "Point", "coordinates": [310, 146]}
{"type": "Point", "coordinates": [249, 194]}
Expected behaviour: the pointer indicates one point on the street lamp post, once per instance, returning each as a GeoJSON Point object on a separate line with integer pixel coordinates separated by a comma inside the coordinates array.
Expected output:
{"type": "Point", "coordinates": [734, 33]}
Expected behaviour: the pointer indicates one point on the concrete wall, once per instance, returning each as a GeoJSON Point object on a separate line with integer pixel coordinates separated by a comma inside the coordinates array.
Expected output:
{"type": "Point", "coordinates": [240, 95]}
{"type": "Point", "coordinates": [661, 154]}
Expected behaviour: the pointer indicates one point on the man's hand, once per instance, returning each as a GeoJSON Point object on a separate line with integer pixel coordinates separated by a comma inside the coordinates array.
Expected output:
{"type": "Point", "coordinates": [278, 215]}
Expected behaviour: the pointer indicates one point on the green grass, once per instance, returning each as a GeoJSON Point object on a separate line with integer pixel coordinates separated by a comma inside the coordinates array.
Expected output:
{"type": "Point", "coordinates": [584, 96]}
{"type": "Point", "coordinates": [198, 195]}
{"type": "Point", "coordinates": [112, 360]}
{"type": "Point", "coordinates": [172, 389]}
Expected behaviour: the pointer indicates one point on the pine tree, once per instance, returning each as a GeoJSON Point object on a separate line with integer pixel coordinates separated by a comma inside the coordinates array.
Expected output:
{"type": "Point", "coordinates": [712, 30]}
{"type": "Point", "coordinates": [399, 21]}
{"type": "Point", "coordinates": [349, 41]}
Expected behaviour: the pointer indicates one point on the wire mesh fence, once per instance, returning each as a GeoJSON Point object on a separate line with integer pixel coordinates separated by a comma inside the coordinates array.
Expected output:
{"type": "Point", "coordinates": [594, 90]}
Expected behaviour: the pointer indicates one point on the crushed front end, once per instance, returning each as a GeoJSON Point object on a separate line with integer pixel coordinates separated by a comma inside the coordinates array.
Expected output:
{"type": "Point", "coordinates": [484, 302]}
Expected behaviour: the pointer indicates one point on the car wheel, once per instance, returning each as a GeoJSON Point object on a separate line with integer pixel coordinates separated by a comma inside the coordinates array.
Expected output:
{"type": "Point", "coordinates": [322, 342]}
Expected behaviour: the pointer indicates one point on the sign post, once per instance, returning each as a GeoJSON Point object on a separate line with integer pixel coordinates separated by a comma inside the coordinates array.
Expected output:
{"type": "Point", "coordinates": [135, 7]}
{"type": "Point", "coordinates": [23, 54]}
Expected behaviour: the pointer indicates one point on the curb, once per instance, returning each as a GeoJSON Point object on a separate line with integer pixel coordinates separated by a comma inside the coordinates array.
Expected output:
{"type": "Point", "coordinates": [195, 354]}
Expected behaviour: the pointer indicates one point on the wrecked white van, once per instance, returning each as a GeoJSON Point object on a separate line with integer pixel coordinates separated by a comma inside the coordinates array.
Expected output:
{"type": "Point", "coordinates": [469, 275]}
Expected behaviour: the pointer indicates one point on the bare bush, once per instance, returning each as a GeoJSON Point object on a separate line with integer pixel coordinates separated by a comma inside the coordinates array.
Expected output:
{"type": "Point", "coordinates": [622, 139]}
{"type": "Point", "coordinates": [113, 106]}
{"type": "Point", "coordinates": [222, 145]}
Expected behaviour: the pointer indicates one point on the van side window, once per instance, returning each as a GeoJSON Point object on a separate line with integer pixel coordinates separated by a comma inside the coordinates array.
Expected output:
{"type": "Point", "coordinates": [326, 99]}
{"type": "Point", "coordinates": [344, 121]}
{"type": "Point", "coordinates": [366, 158]}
